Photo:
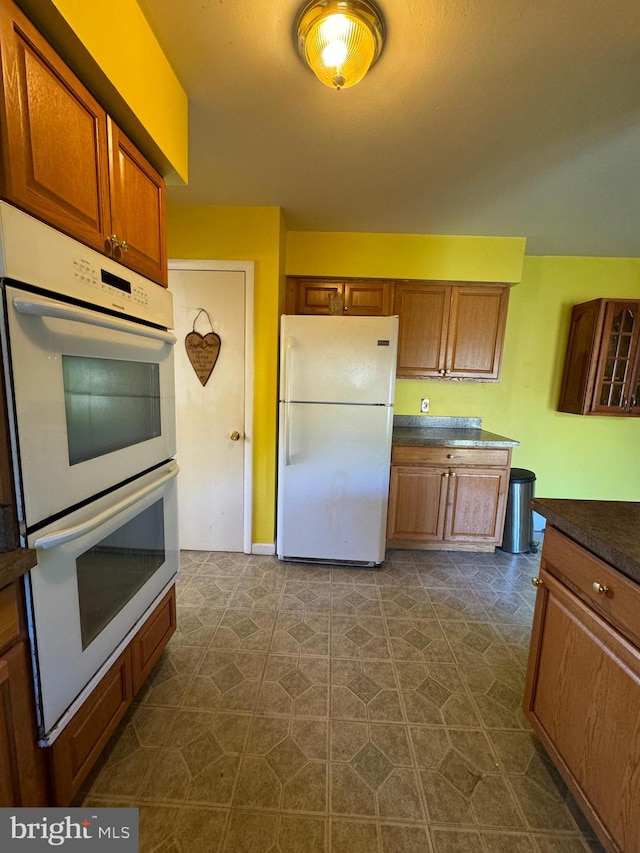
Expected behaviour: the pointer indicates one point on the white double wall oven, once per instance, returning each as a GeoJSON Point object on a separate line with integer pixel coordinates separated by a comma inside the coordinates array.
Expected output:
{"type": "Point", "coordinates": [88, 361]}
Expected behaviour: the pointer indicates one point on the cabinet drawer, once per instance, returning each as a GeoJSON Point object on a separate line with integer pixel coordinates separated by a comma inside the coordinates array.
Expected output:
{"type": "Point", "coordinates": [149, 642]}
{"type": "Point", "coordinates": [74, 753]}
{"type": "Point", "coordinates": [580, 570]}
{"type": "Point", "coordinates": [448, 456]}
{"type": "Point", "coordinates": [9, 616]}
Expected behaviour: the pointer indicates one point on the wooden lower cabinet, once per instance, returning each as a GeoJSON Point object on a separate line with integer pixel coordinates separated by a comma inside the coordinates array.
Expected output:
{"type": "Point", "coordinates": [582, 697]}
{"type": "Point", "coordinates": [76, 750]}
{"type": "Point", "coordinates": [447, 498]}
{"type": "Point", "coordinates": [23, 778]}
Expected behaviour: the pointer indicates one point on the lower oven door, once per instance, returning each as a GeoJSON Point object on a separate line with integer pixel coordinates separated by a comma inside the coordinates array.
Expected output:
{"type": "Point", "coordinates": [100, 571]}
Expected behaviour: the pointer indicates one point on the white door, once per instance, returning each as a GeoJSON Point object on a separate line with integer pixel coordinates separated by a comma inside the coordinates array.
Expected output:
{"type": "Point", "coordinates": [214, 421]}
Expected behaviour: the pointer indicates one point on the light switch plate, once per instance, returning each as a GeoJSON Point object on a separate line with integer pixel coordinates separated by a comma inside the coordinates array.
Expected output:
{"type": "Point", "coordinates": [424, 405]}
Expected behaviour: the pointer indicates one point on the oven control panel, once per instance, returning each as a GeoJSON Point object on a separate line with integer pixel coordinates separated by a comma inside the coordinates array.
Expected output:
{"type": "Point", "coordinates": [87, 274]}
{"type": "Point", "coordinates": [37, 254]}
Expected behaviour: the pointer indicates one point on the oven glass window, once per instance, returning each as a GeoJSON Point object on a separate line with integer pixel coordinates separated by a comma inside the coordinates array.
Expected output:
{"type": "Point", "coordinates": [110, 573]}
{"type": "Point", "coordinates": [110, 404]}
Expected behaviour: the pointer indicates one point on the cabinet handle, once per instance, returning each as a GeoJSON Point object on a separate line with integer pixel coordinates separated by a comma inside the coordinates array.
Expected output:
{"type": "Point", "coordinates": [441, 371]}
{"type": "Point", "coordinates": [346, 308]}
{"type": "Point", "coordinates": [124, 245]}
{"type": "Point", "coordinates": [600, 588]}
{"type": "Point", "coordinates": [450, 456]}
{"type": "Point", "coordinates": [537, 582]}
{"type": "Point", "coordinates": [446, 475]}
{"type": "Point", "coordinates": [447, 372]}
{"type": "Point", "coordinates": [453, 473]}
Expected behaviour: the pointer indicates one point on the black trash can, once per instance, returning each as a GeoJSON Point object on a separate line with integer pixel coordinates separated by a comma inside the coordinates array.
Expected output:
{"type": "Point", "coordinates": [518, 522]}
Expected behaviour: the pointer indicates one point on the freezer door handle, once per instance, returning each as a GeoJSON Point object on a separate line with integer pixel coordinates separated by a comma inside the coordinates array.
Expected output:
{"type": "Point", "coordinates": [286, 369]}
{"type": "Point", "coordinates": [68, 534]}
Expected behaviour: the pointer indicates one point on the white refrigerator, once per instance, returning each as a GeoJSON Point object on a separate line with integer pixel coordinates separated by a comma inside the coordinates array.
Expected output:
{"type": "Point", "coordinates": [337, 384]}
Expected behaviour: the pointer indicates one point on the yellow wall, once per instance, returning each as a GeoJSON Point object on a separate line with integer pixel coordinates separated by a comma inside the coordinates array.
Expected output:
{"type": "Point", "coordinates": [247, 234]}
{"type": "Point", "coordinates": [595, 458]}
{"type": "Point", "coordinates": [572, 456]}
{"type": "Point", "coordinates": [114, 51]}
{"type": "Point", "coordinates": [405, 256]}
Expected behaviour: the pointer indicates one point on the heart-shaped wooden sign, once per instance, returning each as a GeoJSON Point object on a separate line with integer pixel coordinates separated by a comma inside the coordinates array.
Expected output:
{"type": "Point", "coordinates": [203, 352]}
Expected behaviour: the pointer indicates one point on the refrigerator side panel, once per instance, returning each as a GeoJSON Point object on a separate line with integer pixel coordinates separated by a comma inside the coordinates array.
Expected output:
{"type": "Point", "coordinates": [333, 482]}
{"type": "Point", "coordinates": [338, 359]}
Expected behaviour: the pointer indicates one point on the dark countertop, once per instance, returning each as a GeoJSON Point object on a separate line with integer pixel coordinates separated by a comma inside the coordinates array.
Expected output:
{"type": "Point", "coordinates": [14, 564]}
{"type": "Point", "coordinates": [609, 529]}
{"type": "Point", "coordinates": [445, 432]}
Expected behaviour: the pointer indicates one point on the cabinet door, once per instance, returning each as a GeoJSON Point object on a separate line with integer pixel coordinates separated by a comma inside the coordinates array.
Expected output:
{"type": "Point", "coordinates": [476, 332]}
{"type": "Point", "coordinates": [367, 298]}
{"type": "Point", "coordinates": [22, 770]}
{"type": "Point", "coordinates": [476, 505]}
{"type": "Point", "coordinates": [137, 209]}
{"type": "Point", "coordinates": [582, 698]}
{"type": "Point", "coordinates": [417, 503]}
{"type": "Point", "coordinates": [54, 137]}
{"type": "Point", "coordinates": [581, 358]}
{"type": "Point", "coordinates": [424, 314]}
{"type": "Point", "coordinates": [312, 296]}
{"type": "Point", "coordinates": [614, 385]}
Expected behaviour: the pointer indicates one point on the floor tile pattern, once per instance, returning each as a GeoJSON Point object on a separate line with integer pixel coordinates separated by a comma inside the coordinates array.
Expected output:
{"type": "Point", "coordinates": [325, 709]}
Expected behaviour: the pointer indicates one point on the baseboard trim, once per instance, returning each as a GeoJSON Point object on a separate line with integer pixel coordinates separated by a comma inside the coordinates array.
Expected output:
{"type": "Point", "coordinates": [267, 549]}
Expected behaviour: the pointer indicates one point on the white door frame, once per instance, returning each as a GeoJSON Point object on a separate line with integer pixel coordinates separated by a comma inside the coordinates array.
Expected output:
{"type": "Point", "coordinates": [247, 267]}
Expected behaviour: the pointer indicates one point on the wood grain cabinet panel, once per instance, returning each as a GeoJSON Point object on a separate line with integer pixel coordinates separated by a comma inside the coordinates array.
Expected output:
{"type": "Point", "coordinates": [602, 361]}
{"type": "Point", "coordinates": [65, 162]}
{"type": "Point", "coordinates": [23, 779]}
{"type": "Point", "coordinates": [447, 498]}
{"type": "Point", "coordinates": [360, 297]}
{"type": "Point", "coordinates": [137, 208]}
{"type": "Point", "coordinates": [54, 135]}
{"type": "Point", "coordinates": [582, 698]}
{"type": "Point", "coordinates": [77, 748]}
{"type": "Point", "coordinates": [450, 331]}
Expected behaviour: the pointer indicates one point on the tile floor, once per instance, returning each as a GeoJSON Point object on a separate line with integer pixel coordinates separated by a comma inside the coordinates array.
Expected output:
{"type": "Point", "coordinates": [319, 709]}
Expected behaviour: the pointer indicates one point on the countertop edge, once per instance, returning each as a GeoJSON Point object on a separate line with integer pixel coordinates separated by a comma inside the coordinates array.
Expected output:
{"type": "Point", "coordinates": [591, 540]}
{"type": "Point", "coordinates": [15, 564]}
{"type": "Point", "coordinates": [433, 437]}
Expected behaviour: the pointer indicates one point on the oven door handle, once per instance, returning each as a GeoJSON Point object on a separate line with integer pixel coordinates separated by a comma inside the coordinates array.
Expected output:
{"type": "Point", "coordinates": [59, 311]}
{"type": "Point", "coordinates": [68, 534]}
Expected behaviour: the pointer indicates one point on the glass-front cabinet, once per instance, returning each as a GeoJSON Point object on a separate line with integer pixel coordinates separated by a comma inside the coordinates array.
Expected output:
{"type": "Point", "coordinates": [602, 364]}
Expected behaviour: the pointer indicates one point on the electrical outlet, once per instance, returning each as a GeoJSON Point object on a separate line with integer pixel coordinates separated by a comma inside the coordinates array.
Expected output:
{"type": "Point", "coordinates": [424, 405]}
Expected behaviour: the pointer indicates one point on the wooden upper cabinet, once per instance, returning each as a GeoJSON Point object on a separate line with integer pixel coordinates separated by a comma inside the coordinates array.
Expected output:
{"type": "Point", "coordinates": [54, 135]}
{"type": "Point", "coordinates": [450, 331]}
{"type": "Point", "coordinates": [358, 297]}
{"type": "Point", "coordinates": [65, 162]}
{"type": "Point", "coordinates": [602, 361]}
{"type": "Point", "coordinates": [137, 208]}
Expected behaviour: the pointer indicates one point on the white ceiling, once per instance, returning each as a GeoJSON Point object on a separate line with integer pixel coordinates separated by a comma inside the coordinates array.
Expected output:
{"type": "Point", "coordinates": [481, 117]}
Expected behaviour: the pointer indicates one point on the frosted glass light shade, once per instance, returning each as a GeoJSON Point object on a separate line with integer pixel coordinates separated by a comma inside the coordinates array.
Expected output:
{"type": "Point", "coordinates": [340, 40]}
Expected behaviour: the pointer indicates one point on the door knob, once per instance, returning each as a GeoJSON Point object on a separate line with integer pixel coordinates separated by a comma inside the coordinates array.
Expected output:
{"type": "Point", "coordinates": [235, 435]}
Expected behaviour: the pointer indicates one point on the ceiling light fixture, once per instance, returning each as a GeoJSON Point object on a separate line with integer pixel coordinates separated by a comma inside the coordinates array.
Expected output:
{"type": "Point", "coordinates": [340, 40]}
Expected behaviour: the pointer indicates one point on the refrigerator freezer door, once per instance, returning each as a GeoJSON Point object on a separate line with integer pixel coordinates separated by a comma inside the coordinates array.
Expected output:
{"type": "Point", "coordinates": [338, 359]}
{"type": "Point", "coordinates": [333, 482]}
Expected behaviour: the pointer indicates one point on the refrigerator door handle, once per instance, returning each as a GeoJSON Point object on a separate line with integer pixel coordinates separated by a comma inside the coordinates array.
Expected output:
{"type": "Point", "coordinates": [286, 428]}
{"type": "Point", "coordinates": [286, 367]}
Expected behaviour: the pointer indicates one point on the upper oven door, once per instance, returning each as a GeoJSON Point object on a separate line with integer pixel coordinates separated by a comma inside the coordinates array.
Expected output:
{"type": "Point", "coordinates": [94, 400]}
